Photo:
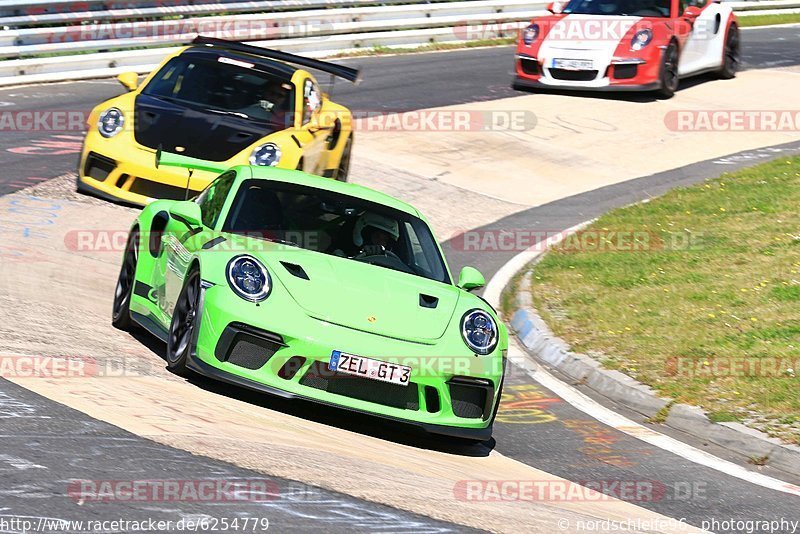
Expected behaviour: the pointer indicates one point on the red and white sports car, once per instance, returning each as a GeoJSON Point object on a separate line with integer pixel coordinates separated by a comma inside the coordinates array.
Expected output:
{"type": "Point", "coordinates": [635, 45]}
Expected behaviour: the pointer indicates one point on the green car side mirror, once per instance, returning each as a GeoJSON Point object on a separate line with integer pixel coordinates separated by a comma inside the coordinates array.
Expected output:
{"type": "Point", "coordinates": [186, 212]}
{"type": "Point", "coordinates": [470, 278]}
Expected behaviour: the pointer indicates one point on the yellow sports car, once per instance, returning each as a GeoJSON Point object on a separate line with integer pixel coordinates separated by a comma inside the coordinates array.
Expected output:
{"type": "Point", "coordinates": [220, 101]}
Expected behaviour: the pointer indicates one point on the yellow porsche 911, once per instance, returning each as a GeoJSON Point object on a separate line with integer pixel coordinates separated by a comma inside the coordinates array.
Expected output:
{"type": "Point", "coordinates": [220, 101]}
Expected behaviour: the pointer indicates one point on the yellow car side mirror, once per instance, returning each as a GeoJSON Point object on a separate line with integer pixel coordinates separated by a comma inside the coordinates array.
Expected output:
{"type": "Point", "coordinates": [129, 79]}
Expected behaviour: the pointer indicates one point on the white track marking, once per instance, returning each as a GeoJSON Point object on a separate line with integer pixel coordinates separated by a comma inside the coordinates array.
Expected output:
{"type": "Point", "coordinates": [598, 411]}
{"type": "Point", "coordinates": [19, 463]}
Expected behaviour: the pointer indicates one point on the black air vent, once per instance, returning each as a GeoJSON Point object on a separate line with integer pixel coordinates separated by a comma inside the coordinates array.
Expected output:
{"type": "Point", "coordinates": [427, 301]}
{"type": "Point", "coordinates": [295, 270]}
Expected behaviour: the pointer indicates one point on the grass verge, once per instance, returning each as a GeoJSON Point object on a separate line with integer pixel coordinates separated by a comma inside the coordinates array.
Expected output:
{"type": "Point", "coordinates": [696, 293]}
{"type": "Point", "coordinates": [749, 21]}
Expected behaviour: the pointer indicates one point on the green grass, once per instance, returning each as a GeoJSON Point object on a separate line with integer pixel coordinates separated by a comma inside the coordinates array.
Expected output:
{"type": "Point", "coordinates": [747, 21]}
{"type": "Point", "coordinates": [713, 321]}
{"type": "Point", "coordinates": [431, 47]}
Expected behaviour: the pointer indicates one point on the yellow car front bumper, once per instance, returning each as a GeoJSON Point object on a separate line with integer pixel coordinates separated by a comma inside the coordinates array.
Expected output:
{"type": "Point", "coordinates": [122, 170]}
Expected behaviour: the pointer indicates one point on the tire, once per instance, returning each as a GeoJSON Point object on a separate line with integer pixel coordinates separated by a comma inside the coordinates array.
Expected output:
{"type": "Point", "coordinates": [731, 56]}
{"type": "Point", "coordinates": [121, 310]}
{"type": "Point", "coordinates": [669, 72]}
{"type": "Point", "coordinates": [343, 169]}
{"type": "Point", "coordinates": [182, 329]}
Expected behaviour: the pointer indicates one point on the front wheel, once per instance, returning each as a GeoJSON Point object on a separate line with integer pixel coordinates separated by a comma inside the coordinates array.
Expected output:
{"type": "Point", "coordinates": [732, 55]}
{"type": "Point", "coordinates": [181, 338]}
{"type": "Point", "coordinates": [669, 72]}
{"type": "Point", "coordinates": [121, 311]}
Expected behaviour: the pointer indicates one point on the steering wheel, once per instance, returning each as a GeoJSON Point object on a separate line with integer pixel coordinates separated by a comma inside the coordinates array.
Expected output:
{"type": "Point", "coordinates": [385, 259]}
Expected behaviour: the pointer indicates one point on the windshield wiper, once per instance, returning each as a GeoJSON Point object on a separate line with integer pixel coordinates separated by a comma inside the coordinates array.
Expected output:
{"type": "Point", "coordinates": [234, 113]}
{"type": "Point", "coordinates": [282, 242]}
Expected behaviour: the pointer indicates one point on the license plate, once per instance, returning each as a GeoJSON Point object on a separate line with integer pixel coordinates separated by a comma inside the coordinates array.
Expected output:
{"type": "Point", "coordinates": [573, 64]}
{"type": "Point", "coordinates": [368, 368]}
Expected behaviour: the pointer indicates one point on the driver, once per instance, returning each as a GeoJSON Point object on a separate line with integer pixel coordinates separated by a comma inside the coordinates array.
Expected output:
{"type": "Point", "coordinates": [375, 234]}
{"type": "Point", "coordinates": [607, 6]}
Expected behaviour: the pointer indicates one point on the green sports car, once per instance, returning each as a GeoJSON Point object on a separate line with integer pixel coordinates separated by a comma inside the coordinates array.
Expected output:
{"type": "Point", "coordinates": [305, 287]}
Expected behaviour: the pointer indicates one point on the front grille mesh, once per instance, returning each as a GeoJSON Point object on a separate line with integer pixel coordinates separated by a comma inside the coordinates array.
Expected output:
{"type": "Point", "coordinates": [249, 355]}
{"type": "Point", "coordinates": [365, 389]}
{"type": "Point", "coordinates": [468, 401]}
{"type": "Point", "coordinates": [152, 189]}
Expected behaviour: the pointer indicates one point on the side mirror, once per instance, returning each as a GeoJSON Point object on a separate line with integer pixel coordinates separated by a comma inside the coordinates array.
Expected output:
{"type": "Point", "coordinates": [186, 212]}
{"type": "Point", "coordinates": [555, 7]}
{"type": "Point", "coordinates": [470, 278]}
{"type": "Point", "coordinates": [129, 79]}
{"type": "Point", "coordinates": [691, 13]}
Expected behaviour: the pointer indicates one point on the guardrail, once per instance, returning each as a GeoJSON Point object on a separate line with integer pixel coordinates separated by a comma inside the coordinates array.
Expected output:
{"type": "Point", "coordinates": [104, 48]}
{"type": "Point", "coordinates": [111, 41]}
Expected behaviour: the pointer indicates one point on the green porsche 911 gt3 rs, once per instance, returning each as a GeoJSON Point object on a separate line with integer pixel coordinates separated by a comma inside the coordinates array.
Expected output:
{"type": "Point", "coordinates": [304, 287]}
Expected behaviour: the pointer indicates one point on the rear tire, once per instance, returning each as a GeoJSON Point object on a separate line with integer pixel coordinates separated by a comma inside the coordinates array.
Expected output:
{"type": "Point", "coordinates": [343, 170]}
{"type": "Point", "coordinates": [121, 311]}
{"type": "Point", "coordinates": [182, 329]}
{"type": "Point", "coordinates": [669, 72]}
{"type": "Point", "coordinates": [731, 57]}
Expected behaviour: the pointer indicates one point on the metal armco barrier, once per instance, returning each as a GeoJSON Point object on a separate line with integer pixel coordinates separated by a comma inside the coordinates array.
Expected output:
{"type": "Point", "coordinates": [56, 40]}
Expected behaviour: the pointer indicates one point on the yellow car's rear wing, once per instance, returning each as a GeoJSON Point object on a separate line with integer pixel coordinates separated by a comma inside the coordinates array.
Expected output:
{"type": "Point", "coordinates": [347, 73]}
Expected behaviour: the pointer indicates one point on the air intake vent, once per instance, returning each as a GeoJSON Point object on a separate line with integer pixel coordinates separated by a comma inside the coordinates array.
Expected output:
{"type": "Point", "coordinates": [427, 301]}
{"type": "Point", "coordinates": [295, 270]}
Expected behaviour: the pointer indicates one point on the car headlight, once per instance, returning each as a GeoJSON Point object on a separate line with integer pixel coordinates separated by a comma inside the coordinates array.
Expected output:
{"type": "Point", "coordinates": [249, 278]}
{"type": "Point", "coordinates": [479, 331]}
{"type": "Point", "coordinates": [530, 34]}
{"type": "Point", "coordinates": [266, 155]}
{"type": "Point", "coordinates": [641, 39]}
{"type": "Point", "coordinates": [110, 122]}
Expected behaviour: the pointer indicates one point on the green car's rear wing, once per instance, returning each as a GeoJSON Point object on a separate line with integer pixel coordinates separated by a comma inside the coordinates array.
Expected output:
{"type": "Point", "coordinates": [168, 159]}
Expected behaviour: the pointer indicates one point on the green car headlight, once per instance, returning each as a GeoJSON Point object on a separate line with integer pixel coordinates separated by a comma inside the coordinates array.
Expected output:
{"type": "Point", "coordinates": [479, 331]}
{"type": "Point", "coordinates": [110, 122]}
{"type": "Point", "coordinates": [249, 278]}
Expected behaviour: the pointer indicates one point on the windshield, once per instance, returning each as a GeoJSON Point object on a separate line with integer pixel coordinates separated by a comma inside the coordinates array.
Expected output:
{"type": "Point", "coordinates": [337, 225]}
{"type": "Point", "coordinates": [638, 8]}
{"type": "Point", "coordinates": [223, 85]}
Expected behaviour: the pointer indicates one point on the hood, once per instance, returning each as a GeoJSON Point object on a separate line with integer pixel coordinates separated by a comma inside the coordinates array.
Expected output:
{"type": "Point", "coordinates": [203, 134]}
{"type": "Point", "coordinates": [365, 297]}
{"type": "Point", "coordinates": [601, 34]}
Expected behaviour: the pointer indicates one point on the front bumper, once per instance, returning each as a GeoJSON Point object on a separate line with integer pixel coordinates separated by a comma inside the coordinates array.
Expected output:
{"type": "Point", "coordinates": [523, 82]}
{"type": "Point", "coordinates": [609, 74]}
{"type": "Point", "coordinates": [282, 351]}
{"type": "Point", "coordinates": [121, 170]}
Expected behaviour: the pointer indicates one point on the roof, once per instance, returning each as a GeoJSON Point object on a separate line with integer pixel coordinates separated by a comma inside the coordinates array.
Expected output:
{"type": "Point", "coordinates": [329, 184]}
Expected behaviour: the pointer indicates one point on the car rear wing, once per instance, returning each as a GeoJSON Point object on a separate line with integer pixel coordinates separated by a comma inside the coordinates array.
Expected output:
{"type": "Point", "coordinates": [347, 73]}
{"type": "Point", "coordinates": [168, 159]}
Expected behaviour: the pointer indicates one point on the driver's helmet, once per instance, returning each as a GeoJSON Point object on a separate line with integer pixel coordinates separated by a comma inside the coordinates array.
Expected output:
{"type": "Point", "coordinates": [374, 220]}
{"type": "Point", "coordinates": [607, 6]}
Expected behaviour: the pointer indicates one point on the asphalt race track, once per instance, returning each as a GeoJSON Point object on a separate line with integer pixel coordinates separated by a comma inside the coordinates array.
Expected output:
{"type": "Point", "coordinates": [45, 443]}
